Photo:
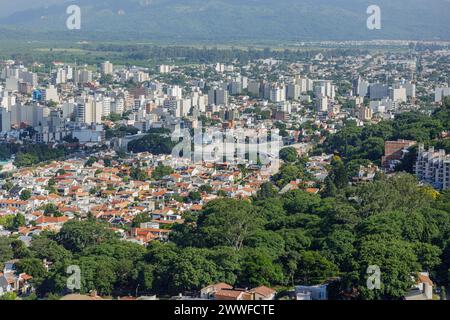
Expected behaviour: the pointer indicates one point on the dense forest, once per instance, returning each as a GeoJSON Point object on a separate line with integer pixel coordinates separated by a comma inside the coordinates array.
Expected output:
{"type": "Point", "coordinates": [156, 141]}
{"type": "Point", "coordinates": [31, 154]}
{"type": "Point", "coordinates": [276, 240]}
{"type": "Point", "coordinates": [151, 55]}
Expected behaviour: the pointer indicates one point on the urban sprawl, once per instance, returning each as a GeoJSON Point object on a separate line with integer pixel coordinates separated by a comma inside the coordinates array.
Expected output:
{"type": "Point", "coordinates": [343, 167]}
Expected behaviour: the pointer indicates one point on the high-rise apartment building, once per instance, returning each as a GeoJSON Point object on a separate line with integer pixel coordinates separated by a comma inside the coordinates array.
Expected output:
{"type": "Point", "coordinates": [107, 68]}
{"type": "Point", "coordinates": [433, 167]}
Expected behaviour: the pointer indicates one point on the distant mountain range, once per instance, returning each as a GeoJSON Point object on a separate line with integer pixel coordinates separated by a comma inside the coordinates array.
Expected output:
{"type": "Point", "coordinates": [227, 20]}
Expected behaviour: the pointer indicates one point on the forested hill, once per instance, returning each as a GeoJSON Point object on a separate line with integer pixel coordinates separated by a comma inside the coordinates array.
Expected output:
{"type": "Point", "coordinates": [230, 20]}
{"type": "Point", "coordinates": [280, 240]}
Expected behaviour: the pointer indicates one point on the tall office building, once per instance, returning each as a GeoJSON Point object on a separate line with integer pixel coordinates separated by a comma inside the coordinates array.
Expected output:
{"type": "Point", "coordinates": [175, 92]}
{"type": "Point", "coordinates": [360, 87]}
{"type": "Point", "coordinates": [254, 87]}
{"type": "Point", "coordinates": [107, 68]}
{"type": "Point", "coordinates": [28, 77]}
{"type": "Point", "coordinates": [5, 120]}
{"type": "Point", "coordinates": [218, 96]}
{"type": "Point", "coordinates": [50, 94]}
{"type": "Point", "coordinates": [236, 87]}
{"type": "Point", "coordinates": [278, 93]}
{"type": "Point", "coordinates": [378, 91]}
{"type": "Point", "coordinates": [398, 94]}
{"type": "Point", "coordinates": [325, 88]}
{"type": "Point", "coordinates": [440, 93]}
{"type": "Point", "coordinates": [106, 106]}
{"type": "Point", "coordinates": [322, 104]}
{"type": "Point", "coordinates": [84, 76]}
{"type": "Point", "coordinates": [60, 76]}
{"type": "Point", "coordinates": [89, 110]}
{"type": "Point", "coordinates": [293, 91]}
{"type": "Point", "coordinates": [364, 113]}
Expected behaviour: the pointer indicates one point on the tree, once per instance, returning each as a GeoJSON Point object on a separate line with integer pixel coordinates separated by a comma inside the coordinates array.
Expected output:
{"type": "Point", "coordinates": [107, 162]}
{"type": "Point", "coordinates": [43, 247]}
{"type": "Point", "coordinates": [125, 257]}
{"type": "Point", "coordinates": [8, 296]}
{"type": "Point", "coordinates": [205, 188]}
{"type": "Point", "coordinates": [313, 268]}
{"type": "Point", "coordinates": [98, 274]}
{"type": "Point", "coordinates": [288, 154]}
{"type": "Point", "coordinates": [90, 161]}
{"type": "Point", "coordinates": [294, 239]}
{"type": "Point", "coordinates": [221, 193]}
{"type": "Point", "coordinates": [194, 196]}
{"type": "Point", "coordinates": [33, 267]}
{"type": "Point", "coordinates": [228, 222]}
{"type": "Point", "coordinates": [428, 255]}
{"type": "Point", "coordinates": [270, 208]}
{"type": "Point", "coordinates": [400, 192]}
{"type": "Point", "coordinates": [18, 221]}
{"type": "Point", "coordinates": [8, 186]}
{"type": "Point", "coordinates": [153, 143]}
{"type": "Point", "coordinates": [288, 173]}
{"type": "Point", "coordinates": [25, 159]}
{"type": "Point", "coordinates": [270, 241]}
{"type": "Point", "coordinates": [77, 235]}
{"type": "Point", "coordinates": [339, 173]}
{"type": "Point", "coordinates": [401, 225]}
{"type": "Point", "coordinates": [141, 218]}
{"type": "Point", "coordinates": [374, 147]}
{"type": "Point", "coordinates": [138, 174]}
{"type": "Point", "coordinates": [51, 186]}
{"type": "Point", "coordinates": [20, 250]}
{"type": "Point", "coordinates": [267, 190]}
{"type": "Point", "coordinates": [51, 210]}
{"type": "Point", "coordinates": [114, 117]}
{"type": "Point", "coordinates": [61, 172]}
{"type": "Point", "coordinates": [330, 189]}
{"type": "Point", "coordinates": [397, 262]}
{"type": "Point", "coordinates": [7, 221]}
{"type": "Point", "coordinates": [193, 271]}
{"type": "Point", "coordinates": [146, 277]}
{"type": "Point", "coordinates": [299, 201]}
{"type": "Point", "coordinates": [25, 195]}
{"type": "Point", "coordinates": [6, 252]}
{"type": "Point", "coordinates": [259, 268]}
{"type": "Point", "coordinates": [339, 248]}
{"type": "Point", "coordinates": [161, 171]}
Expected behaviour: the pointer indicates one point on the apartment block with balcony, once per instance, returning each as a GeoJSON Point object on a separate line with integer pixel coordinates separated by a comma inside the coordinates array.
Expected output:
{"type": "Point", "coordinates": [433, 167]}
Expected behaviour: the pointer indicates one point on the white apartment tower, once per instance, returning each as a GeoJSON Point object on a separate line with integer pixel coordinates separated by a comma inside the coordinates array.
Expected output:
{"type": "Point", "coordinates": [433, 167]}
{"type": "Point", "coordinates": [107, 68]}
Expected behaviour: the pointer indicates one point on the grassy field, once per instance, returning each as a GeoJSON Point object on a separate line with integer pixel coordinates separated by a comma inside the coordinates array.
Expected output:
{"type": "Point", "coordinates": [133, 53]}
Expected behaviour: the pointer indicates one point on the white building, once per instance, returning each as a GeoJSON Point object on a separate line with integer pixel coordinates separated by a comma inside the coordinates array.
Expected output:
{"type": "Point", "coordinates": [440, 93]}
{"type": "Point", "coordinates": [294, 91]}
{"type": "Point", "coordinates": [398, 94]}
{"type": "Point", "coordinates": [50, 94]}
{"type": "Point", "coordinates": [322, 104]}
{"type": "Point", "coordinates": [433, 167]}
{"type": "Point", "coordinates": [318, 292]}
{"type": "Point", "coordinates": [278, 93]}
{"type": "Point", "coordinates": [107, 68]}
